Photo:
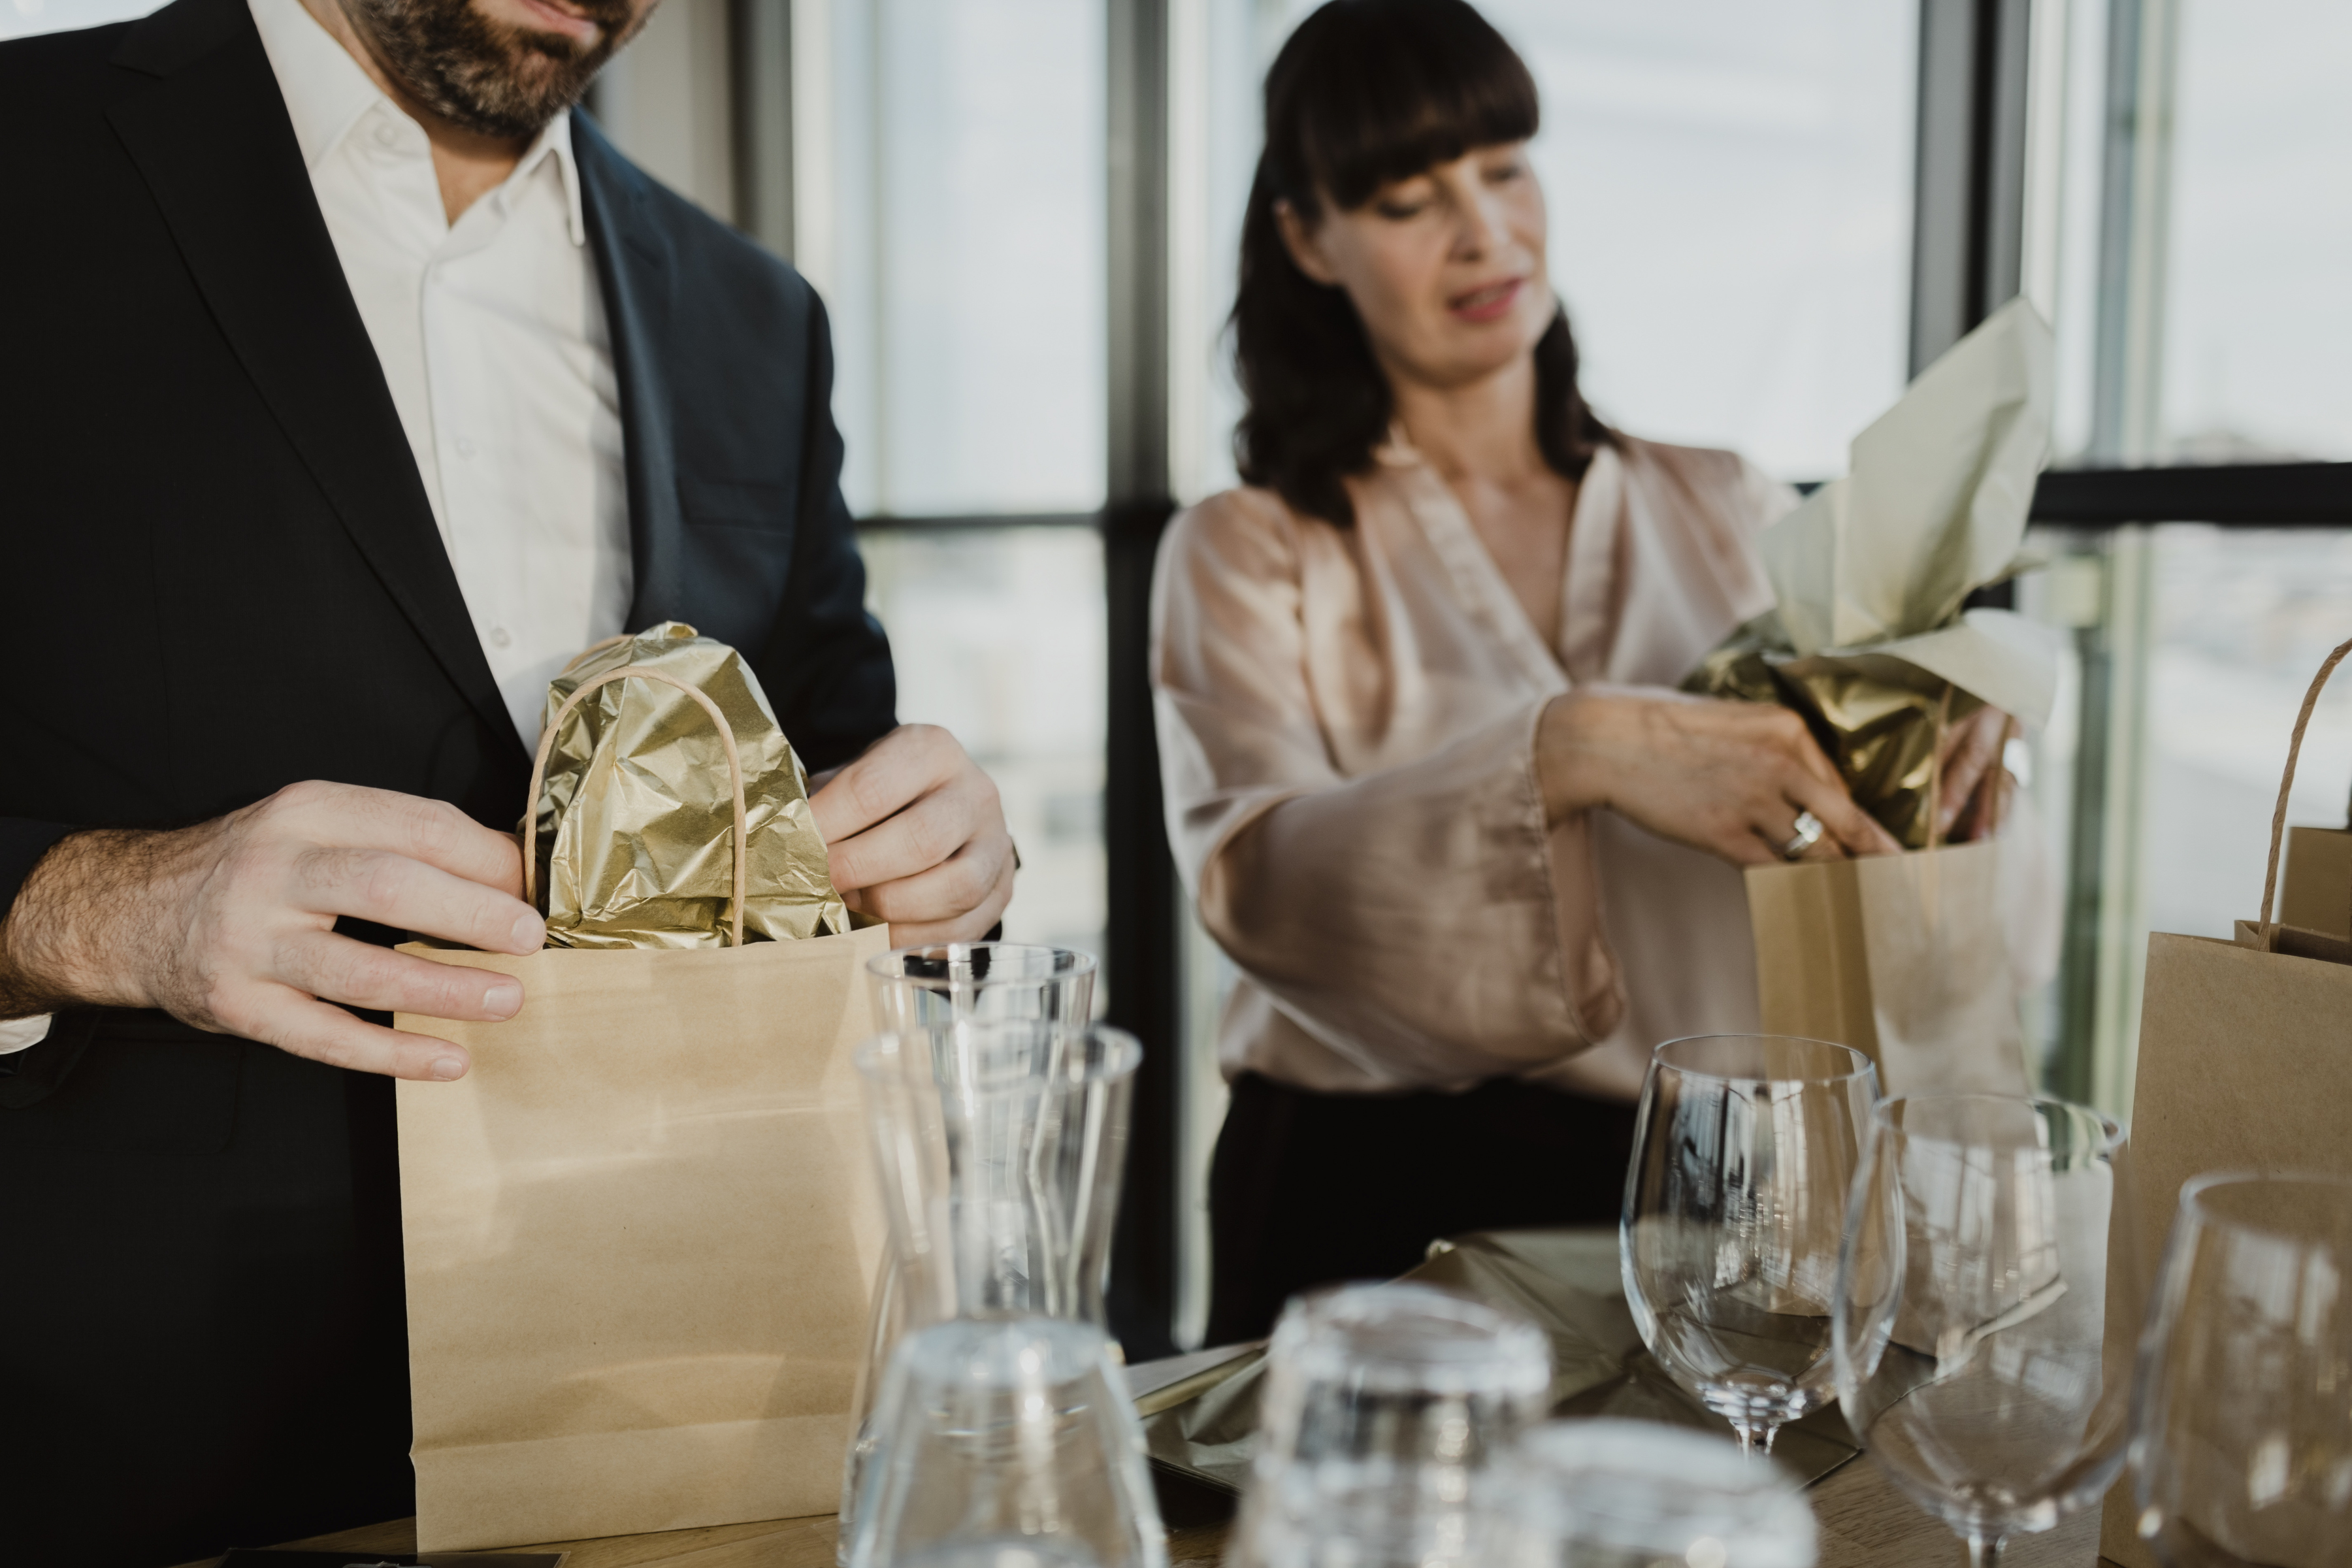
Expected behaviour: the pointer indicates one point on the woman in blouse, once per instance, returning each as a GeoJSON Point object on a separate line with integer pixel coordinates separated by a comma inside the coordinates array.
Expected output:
{"type": "Point", "coordinates": [1427, 778]}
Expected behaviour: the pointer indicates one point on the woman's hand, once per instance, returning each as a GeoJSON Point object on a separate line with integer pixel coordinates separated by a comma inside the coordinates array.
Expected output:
{"type": "Point", "coordinates": [1976, 788]}
{"type": "Point", "coordinates": [1728, 778]}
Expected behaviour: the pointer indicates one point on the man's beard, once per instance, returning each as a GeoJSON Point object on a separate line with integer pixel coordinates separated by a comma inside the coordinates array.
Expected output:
{"type": "Point", "coordinates": [484, 75]}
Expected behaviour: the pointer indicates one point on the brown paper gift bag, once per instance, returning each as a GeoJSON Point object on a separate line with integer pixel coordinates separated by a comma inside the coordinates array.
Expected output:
{"type": "Point", "coordinates": [2245, 1054]}
{"type": "Point", "coordinates": [1904, 957]}
{"type": "Point", "coordinates": [638, 1234]}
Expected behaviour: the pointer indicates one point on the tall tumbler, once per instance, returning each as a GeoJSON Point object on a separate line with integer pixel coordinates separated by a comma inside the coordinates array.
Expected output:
{"type": "Point", "coordinates": [999, 1145]}
{"type": "Point", "coordinates": [980, 980]}
{"type": "Point", "coordinates": [1386, 1411]}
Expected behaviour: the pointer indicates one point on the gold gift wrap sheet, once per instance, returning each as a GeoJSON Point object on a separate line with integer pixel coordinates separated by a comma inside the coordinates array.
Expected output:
{"type": "Point", "coordinates": [636, 818]}
{"type": "Point", "coordinates": [1879, 720]}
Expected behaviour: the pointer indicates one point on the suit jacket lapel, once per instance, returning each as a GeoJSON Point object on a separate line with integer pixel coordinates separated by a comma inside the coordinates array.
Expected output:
{"type": "Point", "coordinates": [636, 269]}
{"type": "Point", "coordinates": [213, 140]}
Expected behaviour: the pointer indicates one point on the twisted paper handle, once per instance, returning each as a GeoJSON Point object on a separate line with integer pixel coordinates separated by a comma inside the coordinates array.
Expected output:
{"type": "Point", "coordinates": [547, 746]}
{"type": "Point", "coordinates": [2287, 785]}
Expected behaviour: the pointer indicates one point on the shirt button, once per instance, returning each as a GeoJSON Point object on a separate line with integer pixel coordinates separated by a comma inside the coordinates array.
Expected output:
{"type": "Point", "coordinates": [502, 637]}
{"type": "Point", "coordinates": [387, 135]}
{"type": "Point", "coordinates": [465, 448]}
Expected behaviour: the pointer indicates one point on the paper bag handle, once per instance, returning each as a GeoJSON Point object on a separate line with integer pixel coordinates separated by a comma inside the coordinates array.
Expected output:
{"type": "Point", "coordinates": [547, 746]}
{"type": "Point", "coordinates": [2287, 785]}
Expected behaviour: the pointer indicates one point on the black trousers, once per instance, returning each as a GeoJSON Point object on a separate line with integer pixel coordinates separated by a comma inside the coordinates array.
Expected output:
{"type": "Point", "coordinates": [1307, 1189]}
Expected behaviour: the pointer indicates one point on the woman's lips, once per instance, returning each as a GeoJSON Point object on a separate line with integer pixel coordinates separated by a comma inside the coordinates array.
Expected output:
{"type": "Point", "coordinates": [558, 19]}
{"type": "Point", "coordinates": [1488, 302]}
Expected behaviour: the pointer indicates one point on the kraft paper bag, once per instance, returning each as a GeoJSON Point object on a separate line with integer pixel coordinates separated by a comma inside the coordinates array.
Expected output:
{"type": "Point", "coordinates": [2318, 893]}
{"type": "Point", "coordinates": [1907, 958]}
{"type": "Point", "coordinates": [2245, 1058]}
{"type": "Point", "coordinates": [638, 1236]}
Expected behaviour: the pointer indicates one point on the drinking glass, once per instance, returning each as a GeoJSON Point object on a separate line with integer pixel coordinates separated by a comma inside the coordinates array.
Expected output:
{"type": "Point", "coordinates": [980, 981]}
{"type": "Point", "coordinates": [1013, 1443]}
{"type": "Point", "coordinates": [1000, 1144]}
{"type": "Point", "coordinates": [1641, 1494]}
{"type": "Point", "coordinates": [1745, 1148]}
{"type": "Point", "coordinates": [2242, 1423]}
{"type": "Point", "coordinates": [1987, 1301]}
{"type": "Point", "coordinates": [1384, 1409]}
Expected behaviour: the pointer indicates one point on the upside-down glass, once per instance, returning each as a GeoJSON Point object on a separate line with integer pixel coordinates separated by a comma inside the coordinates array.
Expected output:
{"type": "Point", "coordinates": [1011, 1443]}
{"type": "Point", "coordinates": [999, 1145]}
{"type": "Point", "coordinates": [1745, 1150]}
{"type": "Point", "coordinates": [2241, 1436]}
{"type": "Point", "coordinates": [1384, 1410]}
{"type": "Point", "coordinates": [1987, 1301]}
{"type": "Point", "coordinates": [1642, 1494]}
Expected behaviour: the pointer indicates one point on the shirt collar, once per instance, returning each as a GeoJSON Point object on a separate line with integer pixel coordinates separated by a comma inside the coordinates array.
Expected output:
{"type": "Point", "coordinates": [326, 94]}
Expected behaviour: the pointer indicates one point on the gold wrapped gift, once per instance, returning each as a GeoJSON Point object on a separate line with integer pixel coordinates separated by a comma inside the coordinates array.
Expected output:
{"type": "Point", "coordinates": [635, 819]}
{"type": "Point", "coordinates": [1880, 720]}
{"type": "Point", "coordinates": [1870, 640]}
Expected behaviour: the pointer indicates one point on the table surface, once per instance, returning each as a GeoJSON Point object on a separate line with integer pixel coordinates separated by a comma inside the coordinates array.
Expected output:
{"type": "Point", "coordinates": [1865, 1523]}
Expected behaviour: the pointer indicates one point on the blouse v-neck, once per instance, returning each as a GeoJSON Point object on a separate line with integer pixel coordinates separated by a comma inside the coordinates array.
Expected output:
{"type": "Point", "coordinates": [1482, 590]}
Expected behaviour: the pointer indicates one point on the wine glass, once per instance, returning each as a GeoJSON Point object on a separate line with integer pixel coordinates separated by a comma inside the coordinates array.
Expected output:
{"type": "Point", "coordinates": [1745, 1150]}
{"type": "Point", "coordinates": [1634, 1494]}
{"type": "Point", "coordinates": [1987, 1301]}
{"type": "Point", "coordinates": [2242, 1416]}
{"type": "Point", "coordinates": [1385, 1409]}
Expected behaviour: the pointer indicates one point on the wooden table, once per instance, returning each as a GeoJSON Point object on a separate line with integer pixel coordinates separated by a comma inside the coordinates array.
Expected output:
{"type": "Point", "coordinates": [1865, 1523]}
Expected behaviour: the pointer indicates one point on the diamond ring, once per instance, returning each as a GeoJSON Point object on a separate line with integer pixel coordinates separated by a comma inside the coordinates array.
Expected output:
{"type": "Point", "coordinates": [1808, 834]}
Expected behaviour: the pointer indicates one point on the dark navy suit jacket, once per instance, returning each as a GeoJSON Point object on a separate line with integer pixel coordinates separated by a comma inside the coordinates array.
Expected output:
{"type": "Point", "coordinates": [219, 574]}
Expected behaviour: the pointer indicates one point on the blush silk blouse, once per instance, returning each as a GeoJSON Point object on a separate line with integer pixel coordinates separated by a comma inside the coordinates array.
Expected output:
{"type": "Point", "coordinates": [1346, 725]}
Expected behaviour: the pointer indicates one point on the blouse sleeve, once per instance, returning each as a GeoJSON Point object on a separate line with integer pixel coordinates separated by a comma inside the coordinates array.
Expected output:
{"type": "Point", "coordinates": [1420, 921]}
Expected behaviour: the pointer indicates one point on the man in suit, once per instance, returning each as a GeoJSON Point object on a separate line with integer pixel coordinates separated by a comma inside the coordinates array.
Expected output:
{"type": "Point", "coordinates": [352, 384]}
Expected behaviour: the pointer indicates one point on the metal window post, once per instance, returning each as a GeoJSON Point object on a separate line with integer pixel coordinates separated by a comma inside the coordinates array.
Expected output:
{"type": "Point", "coordinates": [1142, 938]}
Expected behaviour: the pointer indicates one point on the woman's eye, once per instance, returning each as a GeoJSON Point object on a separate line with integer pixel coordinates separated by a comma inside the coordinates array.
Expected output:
{"type": "Point", "coordinates": [1398, 211]}
{"type": "Point", "coordinates": [1505, 173]}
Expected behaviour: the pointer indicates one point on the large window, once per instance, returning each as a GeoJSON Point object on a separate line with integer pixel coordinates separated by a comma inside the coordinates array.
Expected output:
{"type": "Point", "coordinates": [951, 210]}
{"type": "Point", "coordinates": [2197, 228]}
{"type": "Point", "coordinates": [950, 205]}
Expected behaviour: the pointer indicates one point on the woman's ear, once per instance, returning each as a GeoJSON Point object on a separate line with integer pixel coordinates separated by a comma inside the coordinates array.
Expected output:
{"type": "Point", "coordinates": [1301, 240]}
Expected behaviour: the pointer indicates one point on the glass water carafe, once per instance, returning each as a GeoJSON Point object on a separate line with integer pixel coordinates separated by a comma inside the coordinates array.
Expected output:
{"type": "Point", "coordinates": [999, 1145]}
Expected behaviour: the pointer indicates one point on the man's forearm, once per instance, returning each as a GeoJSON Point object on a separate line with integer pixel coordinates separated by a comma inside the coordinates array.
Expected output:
{"type": "Point", "coordinates": [79, 902]}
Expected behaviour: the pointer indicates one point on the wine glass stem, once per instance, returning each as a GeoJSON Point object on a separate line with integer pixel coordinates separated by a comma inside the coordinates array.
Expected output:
{"type": "Point", "coordinates": [1756, 1442]}
{"type": "Point", "coordinates": [1984, 1552]}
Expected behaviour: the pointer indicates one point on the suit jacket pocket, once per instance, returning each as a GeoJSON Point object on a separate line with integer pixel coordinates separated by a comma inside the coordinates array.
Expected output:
{"type": "Point", "coordinates": [735, 503]}
{"type": "Point", "coordinates": [139, 1083]}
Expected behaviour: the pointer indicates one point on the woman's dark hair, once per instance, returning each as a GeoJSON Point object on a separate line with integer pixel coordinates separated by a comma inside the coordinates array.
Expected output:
{"type": "Point", "coordinates": [1365, 92]}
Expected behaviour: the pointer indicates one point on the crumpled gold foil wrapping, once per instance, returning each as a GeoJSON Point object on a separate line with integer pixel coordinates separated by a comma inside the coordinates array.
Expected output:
{"type": "Point", "coordinates": [637, 818]}
{"type": "Point", "coordinates": [1879, 719]}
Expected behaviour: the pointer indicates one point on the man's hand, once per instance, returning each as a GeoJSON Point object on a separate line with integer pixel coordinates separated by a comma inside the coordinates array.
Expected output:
{"type": "Point", "coordinates": [915, 836]}
{"type": "Point", "coordinates": [230, 925]}
{"type": "Point", "coordinates": [1728, 778]}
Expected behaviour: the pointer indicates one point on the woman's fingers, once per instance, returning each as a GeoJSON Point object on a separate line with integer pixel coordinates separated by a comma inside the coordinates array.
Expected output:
{"type": "Point", "coordinates": [1855, 831]}
{"type": "Point", "coordinates": [1971, 752]}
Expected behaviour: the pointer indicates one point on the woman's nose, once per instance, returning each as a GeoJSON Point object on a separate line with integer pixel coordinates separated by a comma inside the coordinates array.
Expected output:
{"type": "Point", "coordinates": [1484, 228]}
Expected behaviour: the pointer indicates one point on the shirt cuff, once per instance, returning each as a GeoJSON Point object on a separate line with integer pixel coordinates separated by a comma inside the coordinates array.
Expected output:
{"type": "Point", "coordinates": [24, 1034]}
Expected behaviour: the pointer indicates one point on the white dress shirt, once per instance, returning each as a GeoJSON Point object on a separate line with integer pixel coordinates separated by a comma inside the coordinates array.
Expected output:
{"type": "Point", "coordinates": [492, 337]}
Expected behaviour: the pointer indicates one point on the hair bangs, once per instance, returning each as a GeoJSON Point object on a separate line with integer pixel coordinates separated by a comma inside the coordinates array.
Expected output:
{"type": "Point", "coordinates": [1379, 90]}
